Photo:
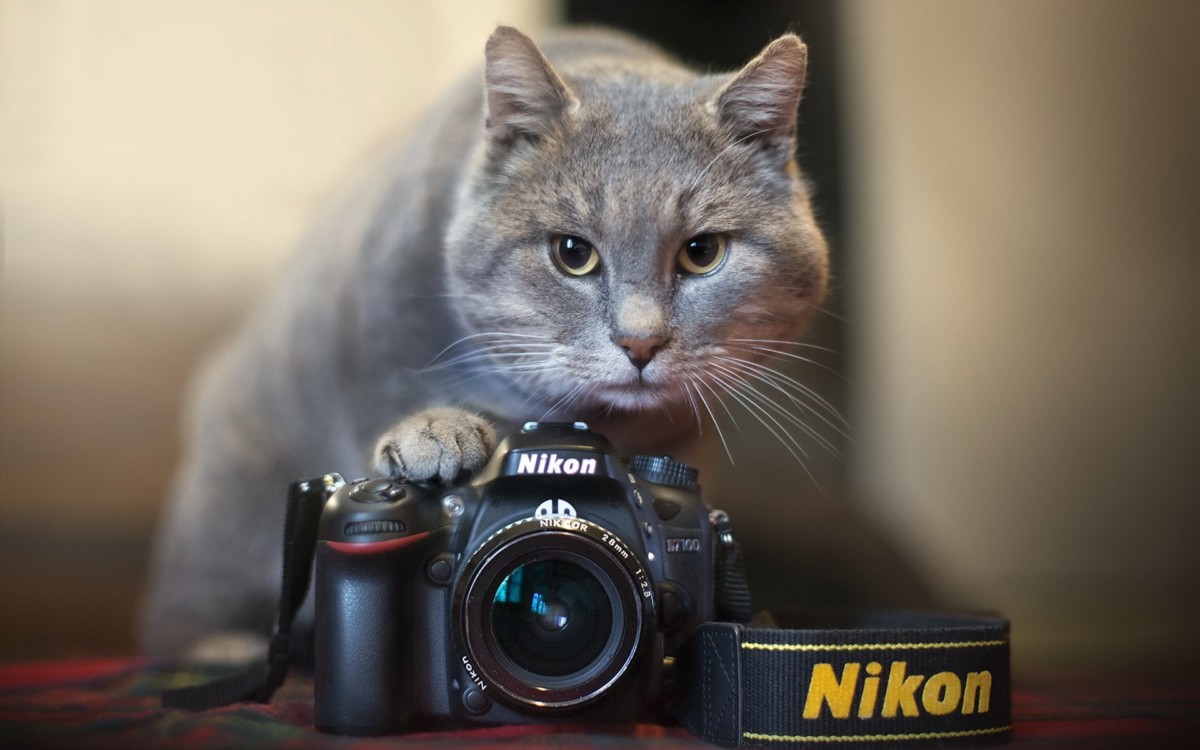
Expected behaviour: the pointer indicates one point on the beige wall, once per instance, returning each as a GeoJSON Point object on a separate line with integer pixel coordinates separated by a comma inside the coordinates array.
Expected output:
{"type": "Point", "coordinates": [1023, 300]}
{"type": "Point", "coordinates": [157, 159]}
{"type": "Point", "coordinates": [1023, 208]}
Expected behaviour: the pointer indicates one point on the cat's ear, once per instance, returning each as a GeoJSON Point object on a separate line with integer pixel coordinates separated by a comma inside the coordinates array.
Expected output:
{"type": "Point", "coordinates": [760, 102]}
{"type": "Point", "coordinates": [524, 94]}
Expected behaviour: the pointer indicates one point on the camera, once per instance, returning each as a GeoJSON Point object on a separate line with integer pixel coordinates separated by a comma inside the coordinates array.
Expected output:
{"type": "Point", "coordinates": [560, 580]}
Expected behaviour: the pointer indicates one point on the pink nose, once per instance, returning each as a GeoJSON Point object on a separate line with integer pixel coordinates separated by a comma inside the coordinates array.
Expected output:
{"type": "Point", "coordinates": [641, 350]}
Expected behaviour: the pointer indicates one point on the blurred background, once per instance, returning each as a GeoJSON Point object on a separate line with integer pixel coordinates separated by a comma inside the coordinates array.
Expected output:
{"type": "Point", "coordinates": [1011, 193]}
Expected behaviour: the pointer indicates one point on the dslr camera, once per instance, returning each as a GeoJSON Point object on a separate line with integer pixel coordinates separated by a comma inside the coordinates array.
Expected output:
{"type": "Point", "coordinates": [559, 580]}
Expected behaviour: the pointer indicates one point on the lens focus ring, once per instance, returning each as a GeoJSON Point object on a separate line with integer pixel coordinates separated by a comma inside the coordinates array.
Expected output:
{"type": "Point", "coordinates": [552, 612]}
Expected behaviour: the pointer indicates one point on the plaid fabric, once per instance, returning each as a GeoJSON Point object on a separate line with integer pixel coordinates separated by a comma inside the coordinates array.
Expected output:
{"type": "Point", "coordinates": [114, 703]}
{"type": "Point", "coordinates": [1102, 711]}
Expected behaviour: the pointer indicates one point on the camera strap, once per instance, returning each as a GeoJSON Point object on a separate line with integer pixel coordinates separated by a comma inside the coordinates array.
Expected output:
{"type": "Point", "coordinates": [884, 678]}
{"type": "Point", "coordinates": [258, 682]}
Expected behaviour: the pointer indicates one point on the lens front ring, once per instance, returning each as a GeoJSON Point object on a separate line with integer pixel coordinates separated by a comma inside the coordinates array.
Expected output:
{"type": "Point", "coordinates": [588, 608]}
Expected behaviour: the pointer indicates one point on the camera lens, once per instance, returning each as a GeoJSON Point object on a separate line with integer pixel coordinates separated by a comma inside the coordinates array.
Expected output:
{"type": "Point", "coordinates": [552, 618]}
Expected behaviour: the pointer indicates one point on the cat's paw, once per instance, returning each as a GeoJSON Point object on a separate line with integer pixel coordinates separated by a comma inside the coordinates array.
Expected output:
{"type": "Point", "coordinates": [437, 444]}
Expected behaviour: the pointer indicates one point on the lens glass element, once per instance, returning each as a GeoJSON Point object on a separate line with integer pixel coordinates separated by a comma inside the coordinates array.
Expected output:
{"type": "Point", "coordinates": [553, 617]}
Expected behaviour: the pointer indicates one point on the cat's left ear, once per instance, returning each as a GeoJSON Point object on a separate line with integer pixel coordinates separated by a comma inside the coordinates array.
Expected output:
{"type": "Point", "coordinates": [760, 102]}
{"type": "Point", "coordinates": [524, 94]}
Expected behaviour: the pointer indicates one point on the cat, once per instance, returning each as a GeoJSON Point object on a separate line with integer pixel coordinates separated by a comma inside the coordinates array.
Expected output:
{"type": "Point", "coordinates": [583, 232]}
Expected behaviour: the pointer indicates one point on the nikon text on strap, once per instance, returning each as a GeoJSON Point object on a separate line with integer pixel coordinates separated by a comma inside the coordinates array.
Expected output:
{"type": "Point", "coordinates": [901, 678]}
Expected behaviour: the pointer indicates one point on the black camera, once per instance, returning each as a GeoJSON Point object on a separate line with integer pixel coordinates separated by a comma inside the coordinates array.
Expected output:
{"type": "Point", "coordinates": [559, 580]}
{"type": "Point", "coordinates": [562, 582]}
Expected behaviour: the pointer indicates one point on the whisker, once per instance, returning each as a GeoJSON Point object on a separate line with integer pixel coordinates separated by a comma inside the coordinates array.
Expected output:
{"type": "Point", "coordinates": [721, 401]}
{"type": "Point", "coordinates": [537, 394]}
{"type": "Point", "coordinates": [781, 434]}
{"type": "Point", "coordinates": [493, 334]}
{"type": "Point", "coordinates": [713, 417]}
{"type": "Point", "coordinates": [731, 386]}
{"type": "Point", "coordinates": [782, 342]}
{"type": "Point", "coordinates": [773, 377]}
{"type": "Point", "coordinates": [492, 353]}
{"type": "Point", "coordinates": [810, 304]}
{"type": "Point", "coordinates": [777, 354]}
{"type": "Point", "coordinates": [687, 393]}
{"type": "Point", "coordinates": [566, 401]}
{"type": "Point", "coordinates": [768, 403]}
{"type": "Point", "coordinates": [535, 363]}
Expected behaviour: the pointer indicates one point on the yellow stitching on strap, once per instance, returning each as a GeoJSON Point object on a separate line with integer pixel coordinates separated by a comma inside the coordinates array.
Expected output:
{"type": "Point", "coordinates": [872, 737]}
{"type": "Point", "coordinates": [864, 646]}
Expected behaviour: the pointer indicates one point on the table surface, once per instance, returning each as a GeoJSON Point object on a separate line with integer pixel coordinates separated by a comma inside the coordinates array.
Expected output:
{"type": "Point", "coordinates": [114, 703]}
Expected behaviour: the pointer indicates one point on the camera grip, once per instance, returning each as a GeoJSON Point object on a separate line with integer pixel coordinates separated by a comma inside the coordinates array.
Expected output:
{"type": "Point", "coordinates": [363, 669]}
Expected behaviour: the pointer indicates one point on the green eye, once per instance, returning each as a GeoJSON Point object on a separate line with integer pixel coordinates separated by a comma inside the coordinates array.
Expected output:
{"type": "Point", "coordinates": [703, 253]}
{"type": "Point", "coordinates": [574, 256]}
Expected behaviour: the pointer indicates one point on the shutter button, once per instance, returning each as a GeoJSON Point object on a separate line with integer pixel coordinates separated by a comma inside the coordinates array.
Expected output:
{"type": "Point", "coordinates": [377, 491]}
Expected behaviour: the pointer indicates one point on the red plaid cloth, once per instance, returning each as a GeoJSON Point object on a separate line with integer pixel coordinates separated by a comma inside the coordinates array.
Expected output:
{"type": "Point", "coordinates": [114, 703]}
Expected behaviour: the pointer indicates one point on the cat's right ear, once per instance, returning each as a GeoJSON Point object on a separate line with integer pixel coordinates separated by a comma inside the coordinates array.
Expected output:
{"type": "Point", "coordinates": [760, 101]}
{"type": "Point", "coordinates": [524, 95]}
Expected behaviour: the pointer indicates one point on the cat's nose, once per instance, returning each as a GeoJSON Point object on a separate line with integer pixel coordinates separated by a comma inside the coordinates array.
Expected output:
{"type": "Point", "coordinates": [641, 349]}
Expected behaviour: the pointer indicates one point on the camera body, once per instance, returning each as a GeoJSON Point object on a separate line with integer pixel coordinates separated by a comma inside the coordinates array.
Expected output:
{"type": "Point", "coordinates": [558, 581]}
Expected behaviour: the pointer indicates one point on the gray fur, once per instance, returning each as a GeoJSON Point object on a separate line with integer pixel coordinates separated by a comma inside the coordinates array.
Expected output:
{"type": "Point", "coordinates": [428, 299]}
{"type": "Point", "coordinates": [438, 443]}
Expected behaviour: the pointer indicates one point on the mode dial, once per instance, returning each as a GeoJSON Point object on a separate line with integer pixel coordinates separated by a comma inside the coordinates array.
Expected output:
{"type": "Point", "coordinates": [666, 470]}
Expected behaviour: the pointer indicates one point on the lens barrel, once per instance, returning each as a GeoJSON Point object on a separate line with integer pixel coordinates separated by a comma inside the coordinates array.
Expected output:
{"type": "Point", "coordinates": [552, 612]}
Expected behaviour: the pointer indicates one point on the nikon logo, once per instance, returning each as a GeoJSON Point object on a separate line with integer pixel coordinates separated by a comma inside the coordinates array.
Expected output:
{"type": "Point", "coordinates": [903, 694]}
{"type": "Point", "coordinates": [552, 463]}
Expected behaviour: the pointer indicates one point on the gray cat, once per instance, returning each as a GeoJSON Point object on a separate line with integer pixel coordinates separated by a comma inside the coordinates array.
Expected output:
{"type": "Point", "coordinates": [599, 234]}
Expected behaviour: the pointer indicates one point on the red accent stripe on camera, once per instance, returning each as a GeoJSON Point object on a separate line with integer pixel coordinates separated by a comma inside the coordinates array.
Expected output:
{"type": "Point", "coordinates": [371, 548]}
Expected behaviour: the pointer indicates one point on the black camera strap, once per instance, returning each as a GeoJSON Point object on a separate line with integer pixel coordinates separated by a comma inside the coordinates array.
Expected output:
{"type": "Point", "coordinates": [258, 682]}
{"type": "Point", "coordinates": [807, 679]}
{"type": "Point", "coordinates": [886, 678]}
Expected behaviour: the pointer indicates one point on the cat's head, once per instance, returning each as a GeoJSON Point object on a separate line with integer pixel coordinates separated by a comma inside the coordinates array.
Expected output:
{"type": "Point", "coordinates": [633, 235]}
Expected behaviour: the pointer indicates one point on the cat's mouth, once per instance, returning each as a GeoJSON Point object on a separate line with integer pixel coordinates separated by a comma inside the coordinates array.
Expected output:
{"type": "Point", "coordinates": [632, 397]}
{"type": "Point", "coordinates": [650, 387]}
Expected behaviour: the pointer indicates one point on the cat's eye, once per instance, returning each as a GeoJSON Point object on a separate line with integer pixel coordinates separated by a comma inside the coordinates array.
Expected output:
{"type": "Point", "coordinates": [703, 253]}
{"type": "Point", "coordinates": [574, 256]}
